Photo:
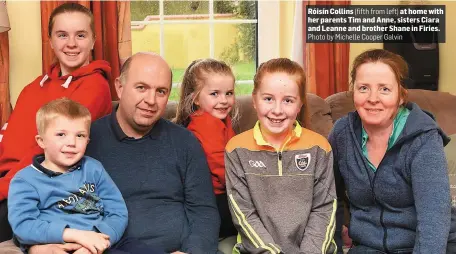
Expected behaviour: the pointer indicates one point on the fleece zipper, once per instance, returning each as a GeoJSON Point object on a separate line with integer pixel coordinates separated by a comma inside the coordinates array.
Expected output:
{"type": "Point", "coordinates": [385, 229]}
{"type": "Point", "coordinates": [382, 210]}
{"type": "Point", "coordinates": [279, 156]}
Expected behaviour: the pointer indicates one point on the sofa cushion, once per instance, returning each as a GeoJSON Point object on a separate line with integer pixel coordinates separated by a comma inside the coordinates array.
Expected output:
{"type": "Point", "coordinates": [170, 112]}
{"type": "Point", "coordinates": [442, 105]}
{"type": "Point", "coordinates": [340, 104]}
{"type": "Point", "coordinates": [320, 115]}
{"type": "Point", "coordinates": [247, 114]}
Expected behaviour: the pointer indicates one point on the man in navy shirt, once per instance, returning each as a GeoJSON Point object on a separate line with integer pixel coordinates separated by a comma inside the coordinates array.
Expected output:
{"type": "Point", "coordinates": [159, 167]}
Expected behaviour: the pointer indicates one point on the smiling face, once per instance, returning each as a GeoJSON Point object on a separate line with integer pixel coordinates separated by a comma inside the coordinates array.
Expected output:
{"type": "Point", "coordinates": [143, 94]}
{"type": "Point", "coordinates": [376, 94]}
{"type": "Point", "coordinates": [64, 142]}
{"type": "Point", "coordinates": [277, 103]}
{"type": "Point", "coordinates": [217, 95]}
{"type": "Point", "coordinates": [72, 40]}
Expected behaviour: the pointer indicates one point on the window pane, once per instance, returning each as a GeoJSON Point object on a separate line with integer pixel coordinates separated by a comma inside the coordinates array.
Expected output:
{"type": "Point", "coordinates": [235, 9]}
{"type": "Point", "coordinates": [172, 7]}
{"type": "Point", "coordinates": [141, 9]}
{"type": "Point", "coordinates": [183, 44]}
{"type": "Point", "coordinates": [236, 45]}
{"type": "Point", "coordinates": [243, 88]}
{"type": "Point", "coordinates": [145, 38]}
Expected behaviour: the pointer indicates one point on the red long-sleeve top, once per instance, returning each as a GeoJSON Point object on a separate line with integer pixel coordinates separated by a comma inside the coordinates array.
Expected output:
{"type": "Point", "coordinates": [213, 134]}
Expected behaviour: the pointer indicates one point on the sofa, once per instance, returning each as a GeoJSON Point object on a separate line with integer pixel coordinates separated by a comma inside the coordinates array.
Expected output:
{"type": "Point", "coordinates": [324, 112]}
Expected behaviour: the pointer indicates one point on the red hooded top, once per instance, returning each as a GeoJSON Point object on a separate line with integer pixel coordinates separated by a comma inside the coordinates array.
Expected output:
{"type": "Point", "coordinates": [213, 134]}
{"type": "Point", "coordinates": [87, 85]}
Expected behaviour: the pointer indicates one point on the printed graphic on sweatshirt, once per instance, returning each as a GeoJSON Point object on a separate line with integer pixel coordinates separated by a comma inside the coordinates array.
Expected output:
{"type": "Point", "coordinates": [84, 201]}
{"type": "Point", "coordinates": [256, 164]}
{"type": "Point", "coordinates": [3, 129]}
{"type": "Point", "coordinates": [302, 161]}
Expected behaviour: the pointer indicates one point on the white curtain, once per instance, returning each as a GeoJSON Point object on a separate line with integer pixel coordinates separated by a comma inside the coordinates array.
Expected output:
{"type": "Point", "coordinates": [297, 46]}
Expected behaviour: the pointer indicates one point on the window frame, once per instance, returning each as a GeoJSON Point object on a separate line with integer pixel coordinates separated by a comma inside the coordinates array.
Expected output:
{"type": "Point", "coordinates": [211, 21]}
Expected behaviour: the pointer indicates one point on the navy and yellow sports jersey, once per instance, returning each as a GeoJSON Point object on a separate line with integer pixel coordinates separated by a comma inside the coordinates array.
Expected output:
{"type": "Point", "coordinates": [282, 200]}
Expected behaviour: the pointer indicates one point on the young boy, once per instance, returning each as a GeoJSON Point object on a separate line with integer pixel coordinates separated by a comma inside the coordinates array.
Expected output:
{"type": "Point", "coordinates": [64, 196]}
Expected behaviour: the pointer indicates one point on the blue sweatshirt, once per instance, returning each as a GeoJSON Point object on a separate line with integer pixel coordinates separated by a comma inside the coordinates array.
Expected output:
{"type": "Point", "coordinates": [165, 180]}
{"type": "Point", "coordinates": [42, 203]}
{"type": "Point", "coordinates": [405, 204]}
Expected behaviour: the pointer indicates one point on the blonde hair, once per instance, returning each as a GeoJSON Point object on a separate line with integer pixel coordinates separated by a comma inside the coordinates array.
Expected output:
{"type": "Point", "coordinates": [292, 68]}
{"type": "Point", "coordinates": [192, 84]}
{"type": "Point", "coordinates": [61, 107]}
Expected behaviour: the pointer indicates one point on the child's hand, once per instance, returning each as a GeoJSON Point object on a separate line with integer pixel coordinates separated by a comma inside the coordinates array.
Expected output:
{"type": "Point", "coordinates": [54, 248]}
{"type": "Point", "coordinates": [96, 243]}
{"type": "Point", "coordinates": [82, 250]}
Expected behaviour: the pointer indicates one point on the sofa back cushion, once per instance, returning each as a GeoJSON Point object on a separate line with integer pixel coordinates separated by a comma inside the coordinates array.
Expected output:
{"type": "Point", "coordinates": [441, 105]}
{"type": "Point", "coordinates": [320, 115]}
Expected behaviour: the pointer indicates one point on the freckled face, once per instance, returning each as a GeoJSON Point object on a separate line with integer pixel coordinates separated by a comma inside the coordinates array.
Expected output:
{"type": "Point", "coordinates": [277, 103]}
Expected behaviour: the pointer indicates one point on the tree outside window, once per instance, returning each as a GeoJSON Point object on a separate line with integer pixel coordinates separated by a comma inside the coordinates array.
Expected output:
{"type": "Point", "coordinates": [187, 30]}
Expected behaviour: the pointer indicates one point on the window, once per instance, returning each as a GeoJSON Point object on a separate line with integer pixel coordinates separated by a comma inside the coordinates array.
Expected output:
{"type": "Point", "coordinates": [182, 31]}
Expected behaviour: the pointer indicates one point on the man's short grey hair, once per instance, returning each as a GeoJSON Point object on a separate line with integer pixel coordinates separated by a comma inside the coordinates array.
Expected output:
{"type": "Point", "coordinates": [124, 69]}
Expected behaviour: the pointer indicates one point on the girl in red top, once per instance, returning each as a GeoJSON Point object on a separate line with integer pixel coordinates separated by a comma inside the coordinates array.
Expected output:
{"type": "Point", "coordinates": [71, 36]}
{"type": "Point", "coordinates": [207, 108]}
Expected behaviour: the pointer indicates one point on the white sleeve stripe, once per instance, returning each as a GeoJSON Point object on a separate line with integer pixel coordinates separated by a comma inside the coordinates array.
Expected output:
{"type": "Point", "coordinates": [4, 126]}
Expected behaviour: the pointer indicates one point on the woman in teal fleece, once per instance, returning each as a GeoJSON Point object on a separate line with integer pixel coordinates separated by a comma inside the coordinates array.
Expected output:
{"type": "Point", "coordinates": [389, 161]}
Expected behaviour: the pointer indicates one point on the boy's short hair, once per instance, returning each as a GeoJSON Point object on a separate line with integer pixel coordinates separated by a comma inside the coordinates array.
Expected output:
{"type": "Point", "coordinates": [61, 107]}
